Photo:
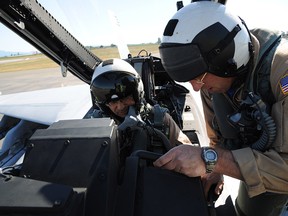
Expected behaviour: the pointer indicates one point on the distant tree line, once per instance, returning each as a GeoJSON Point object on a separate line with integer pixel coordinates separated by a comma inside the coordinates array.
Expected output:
{"type": "Point", "coordinates": [114, 45]}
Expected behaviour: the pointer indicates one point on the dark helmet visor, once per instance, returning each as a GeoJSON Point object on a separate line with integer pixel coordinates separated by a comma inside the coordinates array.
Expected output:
{"type": "Point", "coordinates": [182, 62]}
{"type": "Point", "coordinates": [113, 86]}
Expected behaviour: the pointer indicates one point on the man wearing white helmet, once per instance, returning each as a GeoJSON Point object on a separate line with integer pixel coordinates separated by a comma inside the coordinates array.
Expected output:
{"type": "Point", "coordinates": [117, 86]}
{"type": "Point", "coordinates": [243, 78]}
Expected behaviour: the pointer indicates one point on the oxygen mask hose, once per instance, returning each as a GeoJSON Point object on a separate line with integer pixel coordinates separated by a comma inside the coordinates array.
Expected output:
{"type": "Point", "coordinates": [155, 132]}
{"type": "Point", "coordinates": [134, 121]}
{"type": "Point", "coordinates": [266, 122]}
{"type": "Point", "coordinates": [252, 118]}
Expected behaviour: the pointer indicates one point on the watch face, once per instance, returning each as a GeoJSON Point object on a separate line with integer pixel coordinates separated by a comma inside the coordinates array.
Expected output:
{"type": "Point", "coordinates": [210, 155]}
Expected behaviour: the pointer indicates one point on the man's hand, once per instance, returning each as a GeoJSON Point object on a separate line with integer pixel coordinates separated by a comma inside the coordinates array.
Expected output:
{"type": "Point", "coordinates": [185, 159]}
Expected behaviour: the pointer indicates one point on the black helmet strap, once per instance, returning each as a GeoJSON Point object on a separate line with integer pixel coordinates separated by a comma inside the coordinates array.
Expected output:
{"type": "Point", "coordinates": [217, 50]}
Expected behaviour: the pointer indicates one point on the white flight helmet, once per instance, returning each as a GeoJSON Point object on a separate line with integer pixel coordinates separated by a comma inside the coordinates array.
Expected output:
{"type": "Point", "coordinates": [205, 37]}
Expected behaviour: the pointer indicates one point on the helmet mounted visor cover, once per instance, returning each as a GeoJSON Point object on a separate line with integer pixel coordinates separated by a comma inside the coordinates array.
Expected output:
{"type": "Point", "coordinates": [182, 62]}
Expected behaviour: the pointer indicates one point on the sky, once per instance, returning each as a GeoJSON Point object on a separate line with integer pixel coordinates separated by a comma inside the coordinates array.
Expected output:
{"type": "Point", "coordinates": [140, 21]}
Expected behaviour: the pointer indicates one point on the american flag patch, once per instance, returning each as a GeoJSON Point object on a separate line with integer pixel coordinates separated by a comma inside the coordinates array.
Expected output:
{"type": "Point", "coordinates": [284, 84]}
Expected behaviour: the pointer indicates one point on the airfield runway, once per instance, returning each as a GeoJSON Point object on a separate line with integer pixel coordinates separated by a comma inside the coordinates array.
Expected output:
{"type": "Point", "coordinates": [30, 80]}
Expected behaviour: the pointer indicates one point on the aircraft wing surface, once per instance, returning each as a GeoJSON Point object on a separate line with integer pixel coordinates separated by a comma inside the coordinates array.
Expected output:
{"type": "Point", "coordinates": [49, 105]}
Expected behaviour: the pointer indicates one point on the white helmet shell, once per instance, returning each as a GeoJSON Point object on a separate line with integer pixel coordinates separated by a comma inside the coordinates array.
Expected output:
{"type": "Point", "coordinates": [114, 65]}
{"type": "Point", "coordinates": [199, 23]}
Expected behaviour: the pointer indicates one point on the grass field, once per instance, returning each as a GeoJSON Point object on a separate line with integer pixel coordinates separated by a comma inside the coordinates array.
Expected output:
{"type": "Point", "coordinates": [39, 61]}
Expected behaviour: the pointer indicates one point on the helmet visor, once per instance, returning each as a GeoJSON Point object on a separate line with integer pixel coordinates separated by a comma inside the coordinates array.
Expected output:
{"type": "Point", "coordinates": [182, 62]}
{"type": "Point", "coordinates": [113, 86]}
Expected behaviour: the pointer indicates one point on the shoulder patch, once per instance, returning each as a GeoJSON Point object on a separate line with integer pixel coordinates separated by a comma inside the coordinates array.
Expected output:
{"type": "Point", "coordinates": [284, 84]}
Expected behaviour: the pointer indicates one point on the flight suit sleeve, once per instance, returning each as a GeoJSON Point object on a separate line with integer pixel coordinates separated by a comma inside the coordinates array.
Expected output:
{"type": "Point", "coordinates": [268, 171]}
{"type": "Point", "coordinates": [262, 172]}
{"type": "Point", "coordinates": [176, 136]}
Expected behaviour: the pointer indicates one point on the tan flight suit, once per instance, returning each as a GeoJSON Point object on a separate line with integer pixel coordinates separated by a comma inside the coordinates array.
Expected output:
{"type": "Point", "coordinates": [176, 136]}
{"type": "Point", "coordinates": [263, 171]}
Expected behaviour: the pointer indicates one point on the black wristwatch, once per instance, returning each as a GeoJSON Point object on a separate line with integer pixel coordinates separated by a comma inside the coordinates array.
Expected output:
{"type": "Point", "coordinates": [210, 157]}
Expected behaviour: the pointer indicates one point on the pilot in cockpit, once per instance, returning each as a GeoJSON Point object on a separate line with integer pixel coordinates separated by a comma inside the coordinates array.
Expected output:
{"type": "Point", "coordinates": [118, 90]}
